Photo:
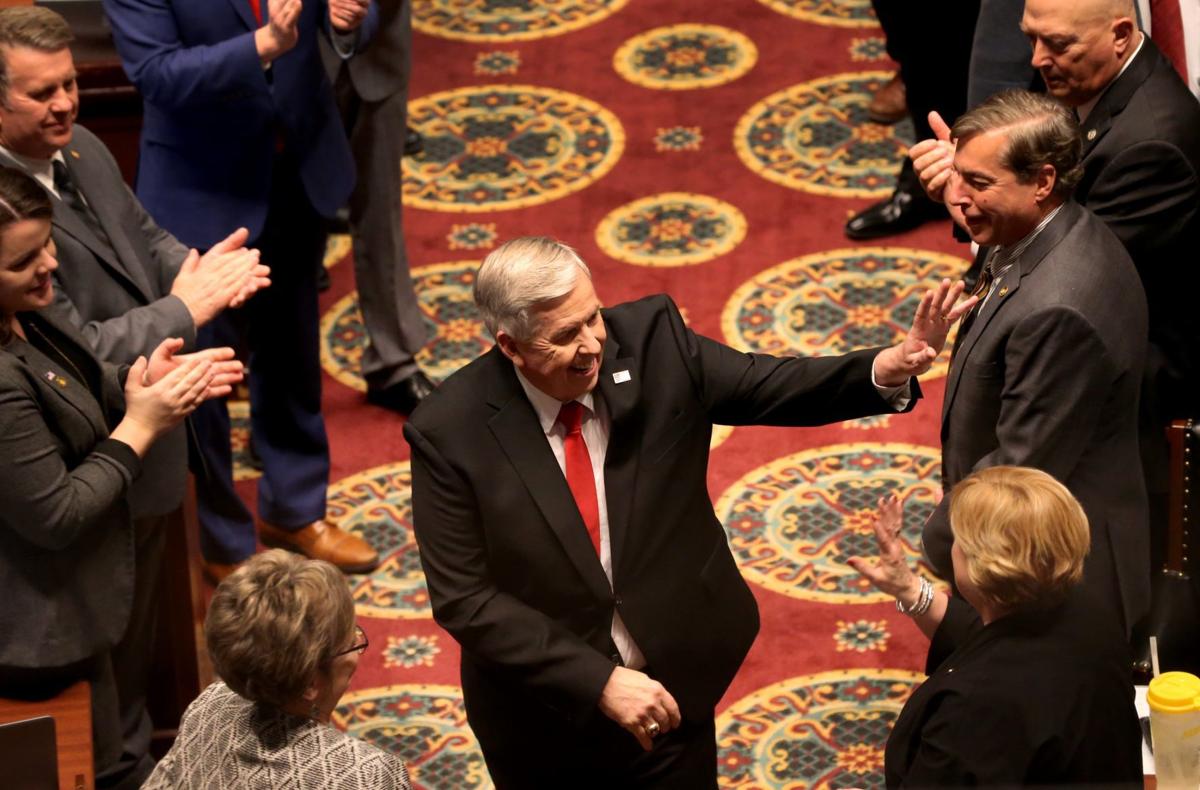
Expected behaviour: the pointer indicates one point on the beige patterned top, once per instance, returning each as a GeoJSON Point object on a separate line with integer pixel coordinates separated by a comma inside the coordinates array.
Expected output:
{"type": "Point", "coordinates": [227, 742]}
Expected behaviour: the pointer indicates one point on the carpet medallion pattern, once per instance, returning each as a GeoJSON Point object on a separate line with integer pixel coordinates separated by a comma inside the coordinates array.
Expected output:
{"type": "Point", "coordinates": [813, 731]}
{"type": "Point", "coordinates": [836, 301]}
{"type": "Point", "coordinates": [793, 523]}
{"type": "Point", "coordinates": [671, 229]}
{"type": "Point", "coordinates": [507, 20]}
{"type": "Point", "coordinates": [494, 147]}
{"type": "Point", "coordinates": [815, 137]}
{"type": "Point", "coordinates": [685, 57]}
{"type": "Point", "coordinates": [839, 13]}
{"type": "Point", "coordinates": [426, 725]}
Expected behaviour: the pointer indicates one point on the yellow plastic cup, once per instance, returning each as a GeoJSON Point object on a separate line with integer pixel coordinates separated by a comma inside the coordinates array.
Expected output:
{"type": "Point", "coordinates": [1174, 699]}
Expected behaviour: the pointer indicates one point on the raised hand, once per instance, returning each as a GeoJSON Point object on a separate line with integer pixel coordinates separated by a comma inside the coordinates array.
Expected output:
{"type": "Point", "coordinates": [938, 310]}
{"type": "Point", "coordinates": [933, 160]}
{"type": "Point", "coordinates": [639, 704]}
{"type": "Point", "coordinates": [889, 573]}
{"type": "Point", "coordinates": [347, 15]}
{"type": "Point", "coordinates": [226, 370]}
{"type": "Point", "coordinates": [282, 30]}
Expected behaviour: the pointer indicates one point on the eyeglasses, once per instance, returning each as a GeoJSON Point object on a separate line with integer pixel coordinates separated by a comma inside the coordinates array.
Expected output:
{"type": "Point", "coordinates": [360, 642]}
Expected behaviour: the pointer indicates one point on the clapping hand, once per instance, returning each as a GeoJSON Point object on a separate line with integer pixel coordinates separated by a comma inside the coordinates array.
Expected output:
{"type": "Point", "coordinates": [938, 310]}
{"type": "Point", "coordinates": [347, 15]}
{"type": "Point", "coordinates": [225, 371]}
{"type": "Point", "coordinates": [282, 30]}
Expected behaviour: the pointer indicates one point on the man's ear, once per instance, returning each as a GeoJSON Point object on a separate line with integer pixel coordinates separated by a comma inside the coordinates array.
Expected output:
{"type": "Point", "coordinates": [508, 347]}
{"type": "Point", "coordinates": [1047, 177]}
{"type": "Point", "coordinates": [1122, 33]}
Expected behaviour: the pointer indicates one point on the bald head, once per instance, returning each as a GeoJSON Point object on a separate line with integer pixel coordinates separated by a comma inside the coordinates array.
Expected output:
{"type": "Point", "coordinates": [1079, 46]}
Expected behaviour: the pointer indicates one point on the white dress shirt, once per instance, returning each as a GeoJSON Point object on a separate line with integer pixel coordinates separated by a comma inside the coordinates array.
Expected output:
{"type": "Point", "coordinates": [595, 430]}
{"type": "Point", "coordinates": [41, 169]}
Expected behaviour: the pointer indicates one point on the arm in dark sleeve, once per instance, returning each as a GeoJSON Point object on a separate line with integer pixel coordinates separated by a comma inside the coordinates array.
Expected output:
{"type": "Point", "coordinates": [42, 500]}
{"type": "Point", "coordinates": [759, 389]}
{"type": "Point", "coordinates": [566, 672]}
{"type": "Point", "coordinates": [970, 740]}
{"type": "Point", "coordinates": [172, 75]}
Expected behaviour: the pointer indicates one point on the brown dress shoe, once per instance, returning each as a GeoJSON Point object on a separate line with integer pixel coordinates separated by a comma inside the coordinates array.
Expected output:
{"type": "Point", "coordinates": [216, 572]}
{"type": "Point", "coordinates": [890, 103]}
{"type": "Point", "coordinates": [321, 540]}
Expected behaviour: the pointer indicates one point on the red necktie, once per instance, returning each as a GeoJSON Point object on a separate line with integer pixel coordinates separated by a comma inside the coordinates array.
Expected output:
{"type": "Point", "coordinates": [580, 478]}
{"type": "Point", "coordinates": [1166, 24]}
{"type": "Point", "coordinates": [256, 7]}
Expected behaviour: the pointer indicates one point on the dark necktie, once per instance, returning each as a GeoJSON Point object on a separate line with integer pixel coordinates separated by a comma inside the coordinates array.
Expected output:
{"type": "Point", "coordinates": [580, 478]}
{"type": "Point", "coordinates": [986, 278]}
{"type": "Point", "coordinates": [69, 195]}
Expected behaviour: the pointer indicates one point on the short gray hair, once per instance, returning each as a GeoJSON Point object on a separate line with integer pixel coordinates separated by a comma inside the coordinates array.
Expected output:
{"type": "Point", "coordinates": [1040, 132]}
{"type": "Point", "coordinates": [34, 27]}
{"type": "Point", "coordinates": [521, 274]}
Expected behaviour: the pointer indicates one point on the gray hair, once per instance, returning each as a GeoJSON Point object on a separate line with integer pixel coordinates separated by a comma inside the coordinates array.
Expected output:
{"type": "Point", "coordinates": [1040, 132]}
{"type": "Point", "coordinates": [521, 274]}
{"type": "Point", "coordinates": [33, 27]}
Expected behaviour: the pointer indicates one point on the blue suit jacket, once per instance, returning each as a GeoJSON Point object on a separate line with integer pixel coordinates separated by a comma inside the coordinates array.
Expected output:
{"type": "Point", "coordinates": [214, 116]}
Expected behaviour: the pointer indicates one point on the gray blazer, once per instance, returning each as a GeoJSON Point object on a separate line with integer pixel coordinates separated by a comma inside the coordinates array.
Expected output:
{"type": "Point", "coordinates": [1048, 376]}
{"type": "Point", "coordinates": [382, 68]}
{"type": "Point", "coordinates": [119, 295]}
{"type": "Point", "coordinates": [66, 540]}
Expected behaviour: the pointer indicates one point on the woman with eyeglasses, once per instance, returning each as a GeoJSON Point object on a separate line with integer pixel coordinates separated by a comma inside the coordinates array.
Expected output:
{"type": "Point", "coordinates": [282, 637]}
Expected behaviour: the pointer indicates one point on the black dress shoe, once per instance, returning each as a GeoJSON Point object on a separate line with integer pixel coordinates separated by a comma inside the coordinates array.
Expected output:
{"type": "Point", "coordinates": [403, 396]}
{"type": "Point", "coordinates": [414, 143]}
{"type": "Point", "coordinates": [904, 210]}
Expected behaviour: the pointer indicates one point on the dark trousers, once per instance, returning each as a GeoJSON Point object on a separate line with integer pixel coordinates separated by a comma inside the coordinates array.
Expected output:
{"type": "Point", "coordinates": [278, 327]}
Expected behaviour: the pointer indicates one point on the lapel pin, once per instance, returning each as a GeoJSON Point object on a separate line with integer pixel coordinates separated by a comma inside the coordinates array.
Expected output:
{"type": "Point", "coordinates": [1091, 135]}
{"type": "Point", "coordinates": [55, 378]}
{"type": "Point", "coordinates": [74, 153]}
{"type": "Point", "coordinates": [1003, 291]}
{"type": "Point", "coordinates": [621, 376]}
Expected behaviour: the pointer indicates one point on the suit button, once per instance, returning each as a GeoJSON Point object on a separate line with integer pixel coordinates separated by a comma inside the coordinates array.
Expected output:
{"type": "Point", "coordinates": [616, 658]}
{"type": "Point", "coordinates": [618, 601]}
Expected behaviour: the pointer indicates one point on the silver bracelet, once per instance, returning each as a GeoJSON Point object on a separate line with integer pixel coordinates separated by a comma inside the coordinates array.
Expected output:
{"type": "Point", "coordinates": [923, 602]}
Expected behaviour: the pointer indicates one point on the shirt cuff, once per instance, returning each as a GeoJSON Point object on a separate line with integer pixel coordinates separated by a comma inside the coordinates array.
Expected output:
{"type": "Point", "coordinates": [897, 397]}
{"type": "Point", "coordinates": [343, 43]}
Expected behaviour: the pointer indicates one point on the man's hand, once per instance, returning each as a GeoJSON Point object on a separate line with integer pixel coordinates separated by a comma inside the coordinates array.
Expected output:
{"type": "Point", "coordinates": [282, 30]}
{"type": "Point", "coordinates": [346, 15]}
{"type": "Point", "coordinates": [934, 159]}
{"type": "Point", "coordinates": [936, 313]}
{"type": "Point", "coordinates": [224, 368]}
{"type": "Point", "coordinates": [225, 276]}
{"type": "Point", "coordinates": [636, 701]}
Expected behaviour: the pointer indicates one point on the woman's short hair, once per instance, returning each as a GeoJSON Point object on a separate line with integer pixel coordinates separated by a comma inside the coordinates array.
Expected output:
{"type": "Point", "coordinates": [1040, 132]}
{"type": "Point", "coordinates": [275, 622]}
{"type": "Point", "coordinates": [1022, 533]}
{"type": "Point", "coordinates": [521, 274]}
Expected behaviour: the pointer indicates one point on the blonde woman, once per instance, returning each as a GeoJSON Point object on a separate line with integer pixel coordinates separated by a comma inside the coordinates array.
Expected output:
{"type": "Point", "coordinates": [282, 636]}
{"type": "Point", "coordinates": [1029, 681]}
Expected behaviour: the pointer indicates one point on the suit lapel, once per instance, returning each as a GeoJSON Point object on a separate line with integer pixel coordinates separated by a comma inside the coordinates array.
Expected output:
{"type": "Point", "coordinates": [244, 12]}
{"type": "Point", "coordinates": [621, 388]}
{"type": "Point", "coordinates": [1114, 99]}
{"type": "Point", "coordinates": [51, 377]}
{"type": "Point", "coordinates": [516, 428]}
{"type": "Point", "coordinates": [92, 184]}
{"type": "Point", "coordinates": [1047, 240]}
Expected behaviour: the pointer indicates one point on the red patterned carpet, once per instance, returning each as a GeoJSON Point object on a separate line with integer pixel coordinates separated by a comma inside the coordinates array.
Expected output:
{"type": "Point", "coordinates": [712, 151]}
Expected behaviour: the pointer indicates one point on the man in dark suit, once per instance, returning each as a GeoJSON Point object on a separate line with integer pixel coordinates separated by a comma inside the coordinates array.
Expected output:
{"type": "Point", "coordinates": [561, 506]}
{"type": "Point", "coordinates": [240, 127]}
{"type": "Point", "coordinates": [1046, 371]}
{"type": "Point", "coordinates": [123, 281]}
{"type": "Point", "coordinates": [1141, 175]}
{"type": "Point", "coordinates": [372, 94]}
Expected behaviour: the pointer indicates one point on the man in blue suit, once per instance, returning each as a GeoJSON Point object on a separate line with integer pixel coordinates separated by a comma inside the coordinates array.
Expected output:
{"type": "Point", "coordinates": [241, 128]}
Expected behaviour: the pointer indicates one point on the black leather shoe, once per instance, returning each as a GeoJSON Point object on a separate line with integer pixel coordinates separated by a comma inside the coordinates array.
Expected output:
{"type": "Point", "coordinates": [403, 396]}
{"type": "Point", "coordinates": [414, 143]}
{"type": "Point", "coordinates": [903, 211]}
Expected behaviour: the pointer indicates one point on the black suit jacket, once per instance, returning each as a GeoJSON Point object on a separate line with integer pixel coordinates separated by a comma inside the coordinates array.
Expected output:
{"type": "Point", "coordinates": [1037, 697]}
{"type": "Point", "coordinates": [1141, 149]}
{"type": "Point", "coordinates": [66, 541]}
{"type": "Point", "coordinates": [511, 572]}
{"type": "Point", "coordinates": [1048, 376]}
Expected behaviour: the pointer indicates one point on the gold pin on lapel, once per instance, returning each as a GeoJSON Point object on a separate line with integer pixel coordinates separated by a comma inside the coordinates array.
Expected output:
{"type": "Point", "coordinates": [1091, 135]}
{"type": "Point", "coordinates": [74, 153]}
{"type": "Point", "coordinates": [1003, 290]}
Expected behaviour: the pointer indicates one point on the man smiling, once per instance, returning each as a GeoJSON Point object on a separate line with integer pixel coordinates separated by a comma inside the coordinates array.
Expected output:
{"type": "Point", "coordinates": [560, 503]}
{"type": "Point", "coordinates": [1047, 368]}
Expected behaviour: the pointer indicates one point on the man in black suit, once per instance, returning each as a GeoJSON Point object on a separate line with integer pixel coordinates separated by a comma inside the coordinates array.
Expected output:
{"type": "Point", "coordinates": [561, 506]}
{"type": "Point", "coordinates": [1046, 371]}
{"type": "Point", "coordinates": [1141, 175]}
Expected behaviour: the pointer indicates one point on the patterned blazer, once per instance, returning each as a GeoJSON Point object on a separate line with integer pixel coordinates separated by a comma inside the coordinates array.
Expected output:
{"type": "Point", "coordinates": [226, 741]}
